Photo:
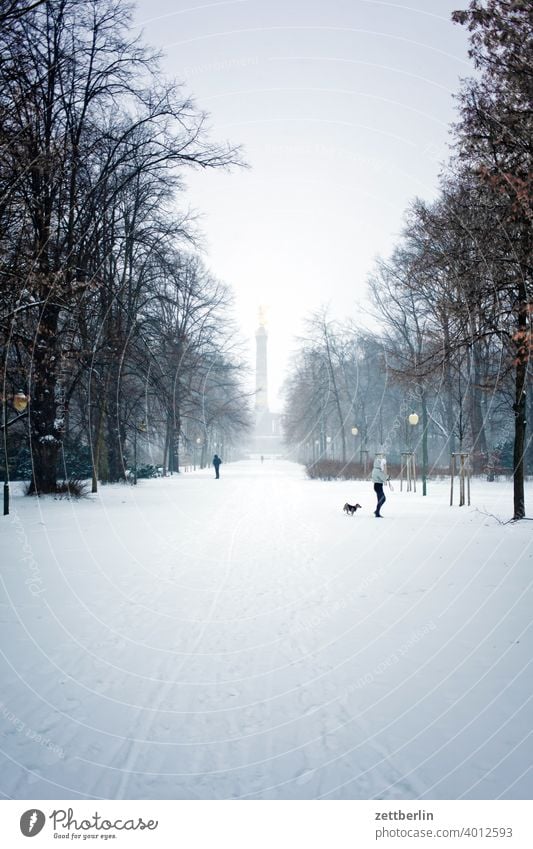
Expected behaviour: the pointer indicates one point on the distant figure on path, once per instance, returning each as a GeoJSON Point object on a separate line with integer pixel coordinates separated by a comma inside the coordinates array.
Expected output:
{"type": "Point", "coordinates": [379, 477]}
{"type": "Point", "coordinates": [262, 458]}
{"type": "Point", "coordinates": [216, 463]}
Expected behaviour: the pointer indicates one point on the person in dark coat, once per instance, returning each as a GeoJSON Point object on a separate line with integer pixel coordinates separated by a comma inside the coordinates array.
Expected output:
{"type": "Point", "coordinates": [216, 463]}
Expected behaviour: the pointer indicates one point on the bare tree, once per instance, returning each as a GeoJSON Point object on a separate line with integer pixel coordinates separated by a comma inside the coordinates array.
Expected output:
{"type": "Point", "coordinates": [495, 141]}
{"type": "Point", "coordinates": [86, 120]}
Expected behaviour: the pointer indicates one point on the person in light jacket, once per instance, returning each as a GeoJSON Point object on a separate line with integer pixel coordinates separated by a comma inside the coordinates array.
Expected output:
{"type": "Point", "coordinates": [379, 477]}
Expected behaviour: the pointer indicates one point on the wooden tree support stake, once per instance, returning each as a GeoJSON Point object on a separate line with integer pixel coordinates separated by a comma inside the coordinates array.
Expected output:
{"type": "Point", "coordinates": [463, 473]}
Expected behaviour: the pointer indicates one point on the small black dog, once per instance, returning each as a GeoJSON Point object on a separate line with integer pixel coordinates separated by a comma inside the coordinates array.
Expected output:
{"type": "Point", "coordinates": [350, 509]}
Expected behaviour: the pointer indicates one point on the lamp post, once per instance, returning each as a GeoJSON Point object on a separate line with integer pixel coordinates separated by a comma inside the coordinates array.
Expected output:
{"type": "Point", "coordinates": [135, 455]}
{"type": "Point", "coordinates": [355, 431]}
{"type": "Point", "coordinates": [424, 445]}
{"type": "Point", "coordinates": [19, 402]}
{"type": "Point", "coordinates": [408, 465]}
{"type": "Point", "coordinates": [328, 444]}
{"type": "Point", "coordinates": [140, 427]}
{"type": "Point", "coordinates": [413, 421]}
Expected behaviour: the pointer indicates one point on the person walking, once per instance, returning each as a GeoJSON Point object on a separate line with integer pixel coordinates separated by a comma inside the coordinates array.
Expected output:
{"type": "Point", "coordinates": [379, 477]}
{"type": "Point", "coordinates": [216, 463]}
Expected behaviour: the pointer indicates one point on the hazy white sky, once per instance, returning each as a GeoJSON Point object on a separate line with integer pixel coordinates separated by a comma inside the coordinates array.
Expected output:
{"type": "Point", "coordinates": [343, 108]}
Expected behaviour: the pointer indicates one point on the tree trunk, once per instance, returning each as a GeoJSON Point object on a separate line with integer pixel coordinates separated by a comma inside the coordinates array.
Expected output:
{"type": "Point", "coordinates": [336, 396]}
{"type": "Point", "coordinates": [175, 428]}
{"type": "Point", "coordinates": [165, 450]}
{"type": "Point", "coordinates": [425, 424]}
{"type": "Point", "coordinates": [98, 454]}
{"type": "Point", "coordinates": [479, 440]}
{"type": "Point", "coordinates": [448, 386]}
{"type": "Point", "coordinates": [522, 358]}
{"type": "Point", "coordinates": [45, 434]}
{"type": "Point", "coordinates": [519, 406]}
{"type": "Point", "coordinates": [114, 437]}
{"type": "Point", "coordinates": [519, 441]}
{"type": "Point", "coordinates": [529, 440]}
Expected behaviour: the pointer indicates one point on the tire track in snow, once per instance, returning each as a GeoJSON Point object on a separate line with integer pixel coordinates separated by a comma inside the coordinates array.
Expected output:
{"type": "Point", "coordinates": [142, 727]}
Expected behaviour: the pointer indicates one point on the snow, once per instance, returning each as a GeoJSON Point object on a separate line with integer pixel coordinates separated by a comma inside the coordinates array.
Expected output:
{"type": "Point", "coordinates": [244, 638]}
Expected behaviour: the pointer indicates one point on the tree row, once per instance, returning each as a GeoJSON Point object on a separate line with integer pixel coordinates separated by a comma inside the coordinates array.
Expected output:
{"type": "Point", "coordinates": [111, 324]}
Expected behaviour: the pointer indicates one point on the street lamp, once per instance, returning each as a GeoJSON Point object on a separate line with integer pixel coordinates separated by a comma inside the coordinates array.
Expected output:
{"type": "Point", "coordinates": [19, 402]}
{"type": "Point", "coordinates": [355, 431]}
{"type": "Point", "coordinates": [409, 466]}
{"type": "Point", "coordinates": [328, 444]}
{"type": "Point", "coordinates": [413, 420]}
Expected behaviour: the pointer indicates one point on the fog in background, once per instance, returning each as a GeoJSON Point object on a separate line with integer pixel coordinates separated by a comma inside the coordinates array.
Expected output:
{"type": "Point", "coordinates": [342, 108]}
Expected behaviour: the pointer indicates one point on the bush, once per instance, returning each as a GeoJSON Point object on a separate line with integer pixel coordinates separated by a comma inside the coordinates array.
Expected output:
{"type": "Point", "coordinates": [148, 471]}
{"type": "Point", "coordinates": [145, 471]}
{"type": "Point", "coordinates": [74, 462]}
{"type": "Point", "coordinates": [72, 488]}
{"type": "Point", "coordinates": [328, 470]}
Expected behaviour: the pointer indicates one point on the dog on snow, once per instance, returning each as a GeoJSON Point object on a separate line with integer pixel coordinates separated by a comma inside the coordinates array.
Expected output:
{"type": "Point", "coordinates": [350, 509]}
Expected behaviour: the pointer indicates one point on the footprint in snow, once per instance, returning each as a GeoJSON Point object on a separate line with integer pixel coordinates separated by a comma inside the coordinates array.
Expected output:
{"type": "Point", "coordinates": [305, 776]}
{"type": "Point", "coordinates": [329, 741]}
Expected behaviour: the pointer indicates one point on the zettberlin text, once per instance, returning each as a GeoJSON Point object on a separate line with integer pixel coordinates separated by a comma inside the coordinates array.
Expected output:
{"type": "Point", "coordinates": [403, 815]}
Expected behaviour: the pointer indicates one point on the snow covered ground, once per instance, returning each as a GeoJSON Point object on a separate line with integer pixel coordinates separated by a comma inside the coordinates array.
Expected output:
{"type": "Point", "coordinates": [243, 638]}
